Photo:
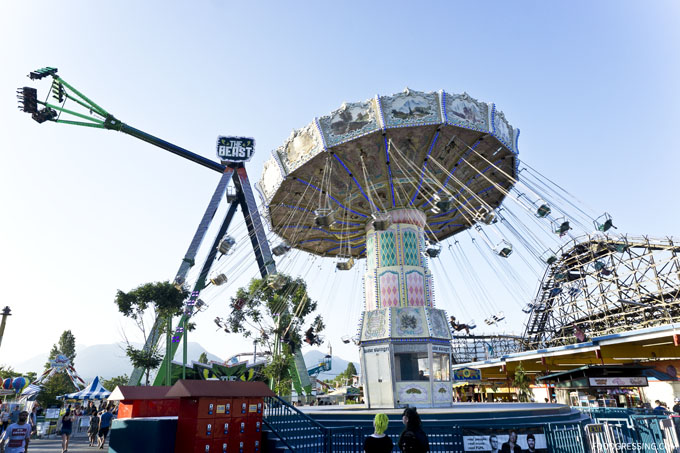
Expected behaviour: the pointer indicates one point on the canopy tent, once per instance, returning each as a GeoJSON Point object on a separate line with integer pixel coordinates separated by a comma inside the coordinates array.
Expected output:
{"type": "Point", "coordinates": [94, 391]}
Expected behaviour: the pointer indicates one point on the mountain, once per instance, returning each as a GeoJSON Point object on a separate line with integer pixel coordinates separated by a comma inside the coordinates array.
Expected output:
{"type": "Point", "coordinates": [109, 360]}
{"type": "Point", "coordinates": [338, 364]}
{"type": "Point", "coordinates": [105, 360]}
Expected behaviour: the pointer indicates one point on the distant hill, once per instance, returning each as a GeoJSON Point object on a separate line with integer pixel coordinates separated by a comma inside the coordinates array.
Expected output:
{"type": "Point", "coordinates": [105, 360]}
{"type": "Point", "coordinates": [109, 360]}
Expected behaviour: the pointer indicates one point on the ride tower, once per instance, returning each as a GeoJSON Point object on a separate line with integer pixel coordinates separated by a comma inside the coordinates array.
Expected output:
{"type": "Point", "coordinates": [405, 343]}
{"type": "Point", "coordinates": [388, 179]}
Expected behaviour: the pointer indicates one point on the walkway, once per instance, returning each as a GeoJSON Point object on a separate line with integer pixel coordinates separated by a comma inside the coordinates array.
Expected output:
{"type": "Point", "coordinates": [53, 445]}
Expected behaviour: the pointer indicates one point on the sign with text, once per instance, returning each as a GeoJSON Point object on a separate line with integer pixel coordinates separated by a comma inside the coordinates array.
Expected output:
{"type": "Point", "coordinates": [618, 381]}
{"type": "Point", "coordinates": [467, 374]}
{"type": "Point", "coordinates": [235, 149]}
{"type": "Point", "coordinates": [530, 440]}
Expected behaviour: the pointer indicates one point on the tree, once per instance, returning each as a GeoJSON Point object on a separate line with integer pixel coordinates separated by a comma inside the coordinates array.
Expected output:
{"type": "Point", "coordinates": [522, 383]}
{"type": "Point", "coordinates": [273, 311]}
{"type": "Point", "coordinates": [110, 384]}
{"type": "Point", "coordinates": [59, 383]}
{"type": "Point", "coordinates": [203, 358]}
{"type": "Point", "coordinates": [145, 305]}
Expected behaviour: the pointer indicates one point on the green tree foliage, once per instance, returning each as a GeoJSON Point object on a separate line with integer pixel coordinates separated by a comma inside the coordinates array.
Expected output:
{"type": "Point", "coordinates": [110, 384]}
{"type": "Point", "coordinates": [274, 309]}
{"type": "Point", "coordinates": [345, 377]}
{"type": "Point", "coordinates": [8, 372]}
{"type": "Point", "coordinates": [60, 383]}
{"type": "Point", "coordinates": [522, 383]}
{"type": "Point", "coordinates": [65, 346]}
{"type": "Point", "coordinates": [203, 358]}
{"type": "Point", "coordinates": [160, 300]}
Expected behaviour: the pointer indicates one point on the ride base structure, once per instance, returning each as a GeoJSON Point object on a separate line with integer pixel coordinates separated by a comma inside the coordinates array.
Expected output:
{"type": "Point", "coordinates": [405, 342]}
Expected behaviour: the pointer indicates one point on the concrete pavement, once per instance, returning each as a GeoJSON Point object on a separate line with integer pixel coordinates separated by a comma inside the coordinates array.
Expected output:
{"type": "Point", "coordinates": [53, 445]}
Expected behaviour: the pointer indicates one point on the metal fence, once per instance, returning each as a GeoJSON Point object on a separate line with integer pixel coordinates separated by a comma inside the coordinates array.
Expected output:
{"type": "Point", "coordinates": [615, 430]}
{"type": "Point", "coordinates": [298, 432]}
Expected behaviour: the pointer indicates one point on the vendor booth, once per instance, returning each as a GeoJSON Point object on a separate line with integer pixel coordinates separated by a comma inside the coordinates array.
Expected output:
{"type": "Point", "coordinates": [599, 385]}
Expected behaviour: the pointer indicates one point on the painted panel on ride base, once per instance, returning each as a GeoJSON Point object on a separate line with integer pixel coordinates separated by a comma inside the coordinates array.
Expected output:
{"type": "Point", "coordinates": [302, 145]}
{"type": "Point", "coordinates": [350, 121]}
{"type": "Point", "coordinates": [411, 392]}
{"type": "Point", "coordinates": [375, 325]}
{"type": "Point", "coordinates": [409, 322]}
{"type": "Point", "coordinates": [463, 110]}
{"type": "Point", "coordinates": [439, 328]}
{"type": "Point", "coordinates": [411, 108]}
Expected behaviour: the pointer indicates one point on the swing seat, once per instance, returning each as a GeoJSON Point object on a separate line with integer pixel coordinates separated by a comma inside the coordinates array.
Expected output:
{"type": "Point", "coordinates": [276, 282]}
{"type": "Point", "coordinates": [528, 308]}
{"type": "Point", "coordinates": [346, 265]}
{"type": "Point", "coordinates": [218, 280]}
{"type": "Point", "coordinates": [503, 249]}
{"type": "Point", "coordinates": [231, 195]}
{"type": "Point", "coordinates": [381, 222]}
{"type": "Point", "coordinates": [444, 204]}
{"type": "Point", "coordinates": [472, 324]}
{"type": "Point", "coordinates": [599, 265]}
{"type": "Point", "coordinates": [489, 218]}
{"type": "Point", "coordinates": [324, 217]}
{"type": "Point", "coordinates": [281, 249]}
{"type": "Point", "coordinates": [604, 223]}
{"type": "Point", "coordinates": [433, 250]}
{"type": "Point", "coordinates": [543, 211]}
{"type": "Point", "coordinates": [562, 228]}
{"type": "Point", "coordinates": [225, 245]}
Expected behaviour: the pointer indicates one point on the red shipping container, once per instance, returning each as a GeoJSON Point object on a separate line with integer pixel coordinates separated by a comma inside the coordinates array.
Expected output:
{"type": "Point", "coordinates": [141, 401]}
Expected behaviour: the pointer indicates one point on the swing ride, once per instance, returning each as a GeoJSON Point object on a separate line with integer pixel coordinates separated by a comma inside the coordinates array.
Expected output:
{"type": "Point", "coordinates": [402, 181]}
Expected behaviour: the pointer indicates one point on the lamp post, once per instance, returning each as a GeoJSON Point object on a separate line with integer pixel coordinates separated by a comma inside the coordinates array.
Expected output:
{"type": "Point", "coordinates": [5, 313]}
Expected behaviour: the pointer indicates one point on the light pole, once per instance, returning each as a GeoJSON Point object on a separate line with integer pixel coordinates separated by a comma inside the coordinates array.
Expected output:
{"type": "Point", "coordinates": [5, 313]}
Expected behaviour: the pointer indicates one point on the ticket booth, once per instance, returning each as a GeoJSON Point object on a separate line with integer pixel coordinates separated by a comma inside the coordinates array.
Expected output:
{"type": "Point", "coordinates": [219, 416]}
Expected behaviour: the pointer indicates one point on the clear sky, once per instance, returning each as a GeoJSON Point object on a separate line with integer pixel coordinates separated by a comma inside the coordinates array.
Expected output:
{"type": "Point", "coordinates": [593, 85]}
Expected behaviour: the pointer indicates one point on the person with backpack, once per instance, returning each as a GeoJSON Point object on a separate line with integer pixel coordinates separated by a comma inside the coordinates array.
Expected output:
{"type": "Point", "coordinates": [413, 439]}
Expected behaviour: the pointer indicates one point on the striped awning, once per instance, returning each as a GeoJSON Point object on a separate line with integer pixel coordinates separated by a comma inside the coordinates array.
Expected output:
{"type": "Point", "coordinates": [94, 391]}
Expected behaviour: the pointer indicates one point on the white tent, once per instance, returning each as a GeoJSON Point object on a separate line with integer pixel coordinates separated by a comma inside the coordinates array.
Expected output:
{"type": "Point", "coordinates": [94, 391]}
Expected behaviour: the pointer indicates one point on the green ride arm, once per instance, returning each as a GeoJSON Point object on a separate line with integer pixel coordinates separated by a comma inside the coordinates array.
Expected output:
{"type": "Point", "coordinates": [92, 105]}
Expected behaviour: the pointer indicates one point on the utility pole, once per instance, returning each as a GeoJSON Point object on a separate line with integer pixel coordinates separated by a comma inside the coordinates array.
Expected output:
{"type": "Point", "coordinates": [5, 313]}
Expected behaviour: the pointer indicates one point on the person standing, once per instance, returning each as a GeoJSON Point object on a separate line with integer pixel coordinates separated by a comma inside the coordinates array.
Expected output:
{"type": "Point", "coordinates": [659, 409]}
{"type": "Point", "coordinates": [93, 428]}
{"type": "Point", "coordinates": [14, 415]}
{"type": "Point", "coordinates": [379, 442]}
{"type": "Point", "coordinates": [413, 439]}
{"type": "Point", "coordinates": [16, 437]}
{"type": "Point", "coordinates": [104, 426]}
{"type": "Point", "coordinates": [33, 419]}
{"type": "Point", "coordinates": [676, 406]}
{"type": "Point", "coordinates": [4, 419]}
{"type": "Point", "coordinates": [66, 429]}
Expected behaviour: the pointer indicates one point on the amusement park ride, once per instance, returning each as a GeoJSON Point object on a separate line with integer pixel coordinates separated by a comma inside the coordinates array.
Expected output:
{"type": "Point", "coordinates": [389, 180]}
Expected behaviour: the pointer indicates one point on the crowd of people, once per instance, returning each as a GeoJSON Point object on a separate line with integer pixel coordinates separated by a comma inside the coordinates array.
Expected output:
{"type": "Point", "coordinates": [101, 418]}
{"type": "Point", "coordinates": [18, 426]}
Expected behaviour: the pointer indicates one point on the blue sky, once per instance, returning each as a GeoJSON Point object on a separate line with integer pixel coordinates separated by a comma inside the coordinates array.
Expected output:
{"type": "Point", "coordinates": [593, 86]}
